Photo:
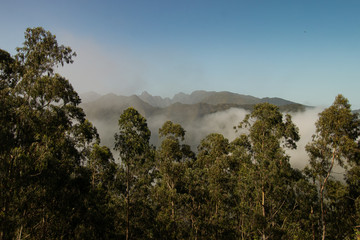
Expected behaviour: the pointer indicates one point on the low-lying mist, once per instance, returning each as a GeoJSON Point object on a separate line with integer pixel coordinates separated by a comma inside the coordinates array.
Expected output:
{"type": "Point", "coordinates": [219, 122]}
{"type": "Point", "coordinates": [305, 121]}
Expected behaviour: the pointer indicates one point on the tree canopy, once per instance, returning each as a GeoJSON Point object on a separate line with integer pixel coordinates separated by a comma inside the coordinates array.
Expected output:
{"type": "Point", "coordinates": [58, 182]}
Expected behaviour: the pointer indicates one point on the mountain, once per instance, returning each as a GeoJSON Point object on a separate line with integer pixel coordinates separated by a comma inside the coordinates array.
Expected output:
{"type": "Point", "coordinates": [104, 113]}
{"type": "Point", "coordinates": [193, 111]}
{"type": "Point", "coordinates": [155, 101]}
{"type": "Point", "coordinates": [210, 97]}
{"type": "Point", "coordinates": [185, 113]}
{"type": "Point", "coordinates": [89, 97]}
{"type": "Point", "coordinates": [277, 101]}
{"type": "Point", "coordinates": [229, 98]}
{"type": "Point", "coordinates": [111, 106]}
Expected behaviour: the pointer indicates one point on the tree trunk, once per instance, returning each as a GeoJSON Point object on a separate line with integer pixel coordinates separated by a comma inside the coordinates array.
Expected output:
{"type": "Point", "coordinates": [20, 233]}
{"type": "Point", "coordinates": [172, 186]}
{"type": "Point", "coordinates": [127, 203]}
{"type": "Point", "coordinates": [172, 211]}
{"type": "Point", "coordinates": [93, 179]}
{"type": "Point", "coordinates": [323, 222]}
{"type": "Point", "coordinates": [312, 224]}
{"type": "Point", "coordinates": [263, 210]}
{"type": "Point", "coordinates": [5, 230]}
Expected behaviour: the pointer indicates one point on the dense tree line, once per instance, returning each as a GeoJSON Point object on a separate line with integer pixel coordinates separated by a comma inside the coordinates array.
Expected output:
{"type": "Point", "coordinates": [58, 182]}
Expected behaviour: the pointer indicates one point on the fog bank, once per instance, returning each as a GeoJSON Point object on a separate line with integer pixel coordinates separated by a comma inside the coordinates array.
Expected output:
{"type": "Point", "coordinates": [223, 123]}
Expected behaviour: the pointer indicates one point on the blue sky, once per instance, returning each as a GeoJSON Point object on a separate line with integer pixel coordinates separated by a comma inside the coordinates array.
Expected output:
{"type": "Point", "coordinates": [304, 51]}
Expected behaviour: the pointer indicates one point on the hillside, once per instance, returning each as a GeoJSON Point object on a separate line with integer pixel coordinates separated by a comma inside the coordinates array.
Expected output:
{"type": "Point", "coordinates": [210, 97]}
{"type": "Point", "coordinates": [188, 110]}
{"type": "Point", "coordinates": [110, 105]}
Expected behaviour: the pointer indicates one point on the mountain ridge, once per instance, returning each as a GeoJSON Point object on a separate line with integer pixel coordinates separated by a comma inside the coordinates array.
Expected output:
{"type": "Point", "coordinates": [210, 97]}
{"type": "Point", "coordinates": [104, 111]}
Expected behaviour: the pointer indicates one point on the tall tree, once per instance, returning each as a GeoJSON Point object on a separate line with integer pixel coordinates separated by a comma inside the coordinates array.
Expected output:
{"type": "Point", "coordinates": [244, 177]}
{"type": "Point", "coordinates": [211, 189]}
{"type": "Point", "coordinates": [45, 141]}
{"type": "Point", "coordinates": [335, 141]}
{"type": "Point", "coordinates": [7, 143]}
{"type": "Point", "coordinates": [173, 158]}
{"type": "Point", "coordinates": [137, 161]}
{"type": "Point", "coordinates": [353, 198]}
{"type": "Point", "coordinates": [269, 133]}
{"type": "Point", "coordinates": [102, 166]}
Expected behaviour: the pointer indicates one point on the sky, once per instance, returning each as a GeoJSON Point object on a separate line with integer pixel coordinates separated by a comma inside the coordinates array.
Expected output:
{"type": "Point", "coordinates": [303, 51]}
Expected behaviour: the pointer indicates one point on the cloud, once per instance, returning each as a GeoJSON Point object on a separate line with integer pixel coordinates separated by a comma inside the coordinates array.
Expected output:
{"type": "Point", "coordinates": [219, 122]}
{"type": "Point", "coordinates": [101, 69]}
{"type": "Point", "coordinates": [223, 122]}
{"type": "Point", "coordinates": [305, 121]}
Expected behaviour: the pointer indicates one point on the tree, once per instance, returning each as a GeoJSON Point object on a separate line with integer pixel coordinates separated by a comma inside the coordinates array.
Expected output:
{"type": "Point", "coordinates": [211, 189]}
{"type": "Point", "coordinates": [243, 204]}
{"type": "Point", "coordinates": [7, 143]}
{"type": "Point", "coordinates": [172, 160]}
{"type": "Point", "coordinates": [335, 141]}
{"type": "Point", "coordinates": [137, 161]}
{"type": "Point", "coordinates": [353, 198]}
{"type": "Point", "coordinates": [45, 143]}
{"type": "Point", "coordinates": [102, 166]}
{"type": "Point", "coordinates": [269, 172]}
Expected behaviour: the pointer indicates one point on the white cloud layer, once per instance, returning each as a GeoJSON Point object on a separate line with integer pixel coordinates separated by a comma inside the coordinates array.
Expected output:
{"type": "Point", "coordinates": [305, 121]}
{"type": "Point", "coordinates": [223, 122]}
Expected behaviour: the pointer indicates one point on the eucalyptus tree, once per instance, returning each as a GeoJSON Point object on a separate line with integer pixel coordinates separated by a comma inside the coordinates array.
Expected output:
{"type": "Point", "coordinates": [173, 157]}
{"type": "Point", "coordinates": [7, 119]}
{"type": "Point", "coordinates": [353, 198]}
{"type": "Point", "coordinates": [211, 189]}
{"type": "Point", "coordinates": [46, 142]}
{"type": "Point", "coordinates": [244, 178]}
{"type": "Point", "coordinates": [269, 133]}
{"type": "Point", "coordinates": [102, 166]}
{"type": "Point", "coordinates": [335, 141]}
{"type": "Point", "coordinates": [137, 163]}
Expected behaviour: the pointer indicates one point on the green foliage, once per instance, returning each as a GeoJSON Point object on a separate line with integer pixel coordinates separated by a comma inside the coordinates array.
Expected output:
{"type": "Point", "coordinates": [335, 141]}
{"type": "Point", "coordinates": [265, 175]}
{"type": "Point", "coordinates": [213, 163]}
{"type": "Point", "coordinates": [137, 163]}
{"type": "Point", "coordinates": [45, 145]}
{"type": "Point", "coordinates": [58, 182]}
{"type": "Point", "coordinates": [170, 193]}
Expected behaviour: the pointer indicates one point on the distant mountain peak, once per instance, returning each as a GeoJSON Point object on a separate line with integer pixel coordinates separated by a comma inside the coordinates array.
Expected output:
{"type": "Point", "coordinates": [198, 96]}
{"type": "Point", "coordinates": [277, 101]}
{"type": "Point", "coordinates": [183, 108]}
{"type": "Point", "coordinates": [210, 97]}
{"type": "Point", "coordinates": [89, 96]}
{"type": "Point", "coordinates": [145, 94]}
{"type": "Point", "coordinates": [155, 101]}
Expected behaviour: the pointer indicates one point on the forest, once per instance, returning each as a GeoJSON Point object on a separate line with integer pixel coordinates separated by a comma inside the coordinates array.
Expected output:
{"type": "Point", "coordinates": [58, 182]}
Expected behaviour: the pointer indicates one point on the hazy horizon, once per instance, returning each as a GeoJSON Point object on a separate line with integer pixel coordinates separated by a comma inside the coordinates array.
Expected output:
{"type": "Point", "coordinates": [322, 106]}
{"type": "Point", "coordinates": [302, 51]}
